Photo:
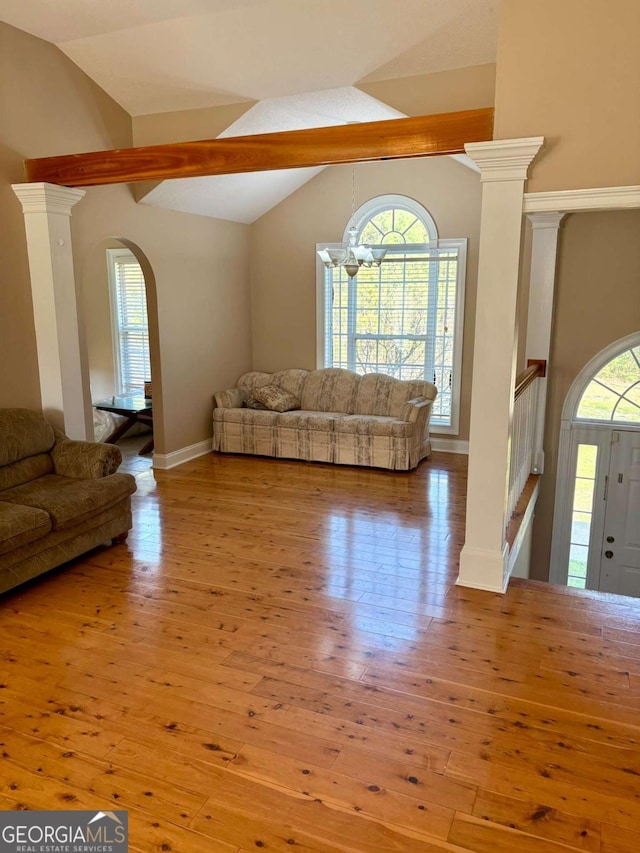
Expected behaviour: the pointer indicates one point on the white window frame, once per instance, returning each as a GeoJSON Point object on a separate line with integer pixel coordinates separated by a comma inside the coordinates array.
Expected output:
{"type": "Point", "coordinates": [113, 256]}
{"type": "Point", "coordinates": [361, 216]}
{"type": "Point", "coordinates": [575, 431]}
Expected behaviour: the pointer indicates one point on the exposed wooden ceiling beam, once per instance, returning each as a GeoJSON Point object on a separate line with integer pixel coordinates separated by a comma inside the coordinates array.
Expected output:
{"type": "Point", "coordinates": [376, 140]}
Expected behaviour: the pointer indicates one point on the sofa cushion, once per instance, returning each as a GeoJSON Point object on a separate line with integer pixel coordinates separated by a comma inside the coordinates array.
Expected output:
{"type": "Point", "coordinates": [276, 399]}
{"type": "Point", "coordinates": [319, 421]}
{"type": "Point", "coordinates": [20, 525]}
{"type": "Point", "coordinates": [235, 398]}
{"type": "Point", "coordinates": [330, 389]}
{"type": "Point", "coordinates": [69, 501]}
{"type": "Point", "coordinates": [251, 417]}
{"type": "Point", "coordinates": [25, 470]}
{"type": "Point", "coordinates": [24, 433]}
{"type": "Point", "coordinates": [252, 403]}
{"type": "Point", "coordinates": [385, 396]}
{"type": "Point", "coordinates": [292, 380]}
{"type": "Point", "coordinates": [374, 425]}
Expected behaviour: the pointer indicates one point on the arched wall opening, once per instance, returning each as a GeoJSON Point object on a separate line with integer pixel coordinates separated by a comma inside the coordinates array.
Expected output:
{"type": "Point", "coordinates": [97, 325]}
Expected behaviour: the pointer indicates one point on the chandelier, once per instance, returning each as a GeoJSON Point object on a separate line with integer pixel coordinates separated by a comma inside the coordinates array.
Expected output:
{"type": "Point", "coordinates": [352, 255]}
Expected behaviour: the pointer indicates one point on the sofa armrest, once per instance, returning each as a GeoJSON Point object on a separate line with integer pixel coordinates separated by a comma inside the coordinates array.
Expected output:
{"type": "Point", "coordinates": [85, 460]}
{"type": "Point", "coordinates": [235, 398]}
{"type": "Point", "coordinates": [418, 408]}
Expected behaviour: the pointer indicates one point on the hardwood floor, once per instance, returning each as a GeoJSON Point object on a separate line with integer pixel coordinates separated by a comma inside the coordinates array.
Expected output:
{"type": "Point", "coordinates": [279, 659]}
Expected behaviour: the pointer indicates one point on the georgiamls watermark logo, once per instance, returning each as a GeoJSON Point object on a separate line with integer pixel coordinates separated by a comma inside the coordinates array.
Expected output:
{"type": "Point", "coordinates": [63, 832]}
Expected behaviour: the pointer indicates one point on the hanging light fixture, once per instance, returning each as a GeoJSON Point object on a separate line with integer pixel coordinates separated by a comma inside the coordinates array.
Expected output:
{"type": "Point", "coordinates": [353, 255]}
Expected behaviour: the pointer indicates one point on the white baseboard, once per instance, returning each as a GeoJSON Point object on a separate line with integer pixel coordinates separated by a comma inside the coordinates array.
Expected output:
{"type": "Point", "coordinates": [164, 461]}
{"type": "Point", "coordinates": [452, 445]}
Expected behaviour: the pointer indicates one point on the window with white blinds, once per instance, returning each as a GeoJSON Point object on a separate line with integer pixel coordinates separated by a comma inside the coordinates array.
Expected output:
{"type": "Point", "coordinates": [128, 321]}
{"type": "Point", "coordinates": [403, 318]}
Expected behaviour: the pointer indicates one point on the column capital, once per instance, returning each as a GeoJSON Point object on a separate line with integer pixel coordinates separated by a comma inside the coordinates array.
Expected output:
{"type": "Point", "coordinates": [47, 198]}
{"type": "Point", "coordinates": [546, 220]}
{"type": "Point", "coordinates": [504, 159]}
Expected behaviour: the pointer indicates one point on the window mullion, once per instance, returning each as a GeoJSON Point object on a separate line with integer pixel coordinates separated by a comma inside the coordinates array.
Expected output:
{"type": "Point", "coordinates": [352, 308]}
{"type": "Point", "coordinates": [432, 323]}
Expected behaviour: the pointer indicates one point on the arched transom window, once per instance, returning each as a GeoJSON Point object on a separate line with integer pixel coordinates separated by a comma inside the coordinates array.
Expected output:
{"type": "Point", "coordinates": [395, 225]}
{"type": "Point", "coordinates": [614, 392]}
{"type": "Point", "coordinates": [404, 317]}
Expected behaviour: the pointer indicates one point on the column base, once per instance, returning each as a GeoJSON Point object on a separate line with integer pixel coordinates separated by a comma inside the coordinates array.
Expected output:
{"type": "Point", "coordinates": [484, 569]}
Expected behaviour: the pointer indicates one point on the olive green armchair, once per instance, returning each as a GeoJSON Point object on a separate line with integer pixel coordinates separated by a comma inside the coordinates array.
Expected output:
{"type": "Point", "coordinates": [58, 498]}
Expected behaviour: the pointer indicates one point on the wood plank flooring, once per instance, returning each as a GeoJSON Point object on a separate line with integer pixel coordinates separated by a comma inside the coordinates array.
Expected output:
{"type": "Point", "coordinates": [279, 659]}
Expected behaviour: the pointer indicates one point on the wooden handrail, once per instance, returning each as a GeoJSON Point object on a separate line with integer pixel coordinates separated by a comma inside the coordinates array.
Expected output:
{"type": "Point", "coordinates": [535, 369]}
{"type": "Point", "coordinates": [416, 136]}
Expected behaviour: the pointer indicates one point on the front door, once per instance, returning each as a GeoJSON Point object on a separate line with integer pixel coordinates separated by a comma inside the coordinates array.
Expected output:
{"type": "Point", "coordinates": [620, 560]}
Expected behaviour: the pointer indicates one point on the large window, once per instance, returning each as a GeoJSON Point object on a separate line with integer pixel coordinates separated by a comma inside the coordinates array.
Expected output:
{"type": "Point", "coordinates": [128, 321]}
{"type": "Point", "coordinates": [403, 318]}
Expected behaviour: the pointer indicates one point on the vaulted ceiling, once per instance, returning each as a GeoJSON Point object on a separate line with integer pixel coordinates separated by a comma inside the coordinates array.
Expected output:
{"type": "Point", "coordinates": [299, 59]}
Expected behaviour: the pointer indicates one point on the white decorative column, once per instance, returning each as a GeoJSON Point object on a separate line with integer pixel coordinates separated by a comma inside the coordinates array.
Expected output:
{"type": "Point", "coordinates": [542, 281]}
{"type": "Point", "coordinates": [503, 172]}
{"type": "Point", "coordinates": [61, 362]}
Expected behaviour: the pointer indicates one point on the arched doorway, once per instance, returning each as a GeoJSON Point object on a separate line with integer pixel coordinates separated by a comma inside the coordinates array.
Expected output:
{"type": "Point", "coordinates": [121, 326]}
{"type": "Point", "coordinates": [596, 531]}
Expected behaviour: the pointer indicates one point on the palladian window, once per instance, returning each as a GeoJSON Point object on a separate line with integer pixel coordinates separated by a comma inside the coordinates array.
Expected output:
{"type": "Point", "coordinates": [404, 316]}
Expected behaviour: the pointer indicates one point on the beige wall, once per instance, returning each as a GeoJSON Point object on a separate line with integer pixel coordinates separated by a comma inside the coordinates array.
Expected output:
{"type": "Point", "coordinates": [425, 94]}
{"type": "Point", "coordinates": [570, 71]}
{"type": "Point", "coordinates": [468, 88]}
{"type": "Point", "coordinates": [48, 107]}
{"type": "Point", "coordinates": [523, 295]}
{"type": "Point", "coordinates": [186, 125]}
{"type": "Point", "coordinates": [597, 303]}
{"type": "Point", "coordinates": [200, 266]}
{"type": "Point", "coordinates": [283, 260]}
{"type": "Point", "coordinates": [201, 274]}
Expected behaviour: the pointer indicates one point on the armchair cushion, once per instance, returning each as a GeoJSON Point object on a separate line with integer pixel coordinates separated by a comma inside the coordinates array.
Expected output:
{"type": "Point", "coordinates": [25, 470]}
{"type": "Point", "coordinates": [24, 433]}
{"type": "Point", "coordinates": [70, 501]}
{"type": "Point", "coordinates": [84, 459]}
{"type": "Point", "coordinates": [20, 525]}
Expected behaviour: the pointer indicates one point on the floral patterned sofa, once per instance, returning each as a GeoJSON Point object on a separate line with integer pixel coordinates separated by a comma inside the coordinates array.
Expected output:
{"type": "Point", "coordinates": [332, 415]}
{"type": "Point", "coordinates": [58, 498]}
